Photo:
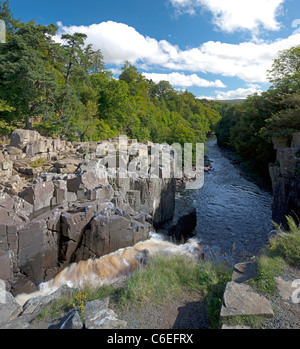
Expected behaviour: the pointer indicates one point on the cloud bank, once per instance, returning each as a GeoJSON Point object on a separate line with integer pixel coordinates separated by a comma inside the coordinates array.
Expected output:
{"type": "Point", "coordinates": [248, 61]}
{"type": "Point", "coordinates": [182, 80]}
{"type": "Point", "coordinates": [233, 15]}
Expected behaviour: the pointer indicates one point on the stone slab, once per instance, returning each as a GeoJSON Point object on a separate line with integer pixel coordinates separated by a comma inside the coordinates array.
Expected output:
{"type": "Point", "coordinates": [240, 299]}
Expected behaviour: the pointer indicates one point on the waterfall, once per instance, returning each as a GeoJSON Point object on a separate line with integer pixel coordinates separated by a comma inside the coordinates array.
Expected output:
{"type": "Point", "coordinates": [109, 268]}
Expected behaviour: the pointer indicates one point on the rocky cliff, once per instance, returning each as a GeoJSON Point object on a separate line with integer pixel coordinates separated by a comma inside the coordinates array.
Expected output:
{"type": "Point", "coordinates": [61, 202]}
{"type": "Point", "coordinates": [285, 175]}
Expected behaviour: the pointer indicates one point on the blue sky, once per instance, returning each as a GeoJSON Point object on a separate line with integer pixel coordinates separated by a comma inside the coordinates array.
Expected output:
{"type": "Point", "coordinates": [218, 49]}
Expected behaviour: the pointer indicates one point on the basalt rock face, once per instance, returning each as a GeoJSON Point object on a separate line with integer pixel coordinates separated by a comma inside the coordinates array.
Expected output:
{"type": "Point", "coordinates": [285, 175]}
{"type": "Point", "coordinates": [62, 202]}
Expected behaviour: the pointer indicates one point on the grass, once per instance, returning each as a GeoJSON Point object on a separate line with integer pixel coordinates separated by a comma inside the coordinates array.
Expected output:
{"type": "Point", "coordinates": [54, 309]}
{"type": "Point", "coordinates": [166, 278]}
{"type": "Point", "coordinates": [288, 247]}
{"type": "Point", "coordinates": [76, 299]}
{"type": "Point", "coordinates": [267, 269]}
{"type": "Point", "coordinates": [38, 163]}
{"type": "Point", "coordinates": [282, 252]}
{"type": "Point", "coordinates": [252, 321]}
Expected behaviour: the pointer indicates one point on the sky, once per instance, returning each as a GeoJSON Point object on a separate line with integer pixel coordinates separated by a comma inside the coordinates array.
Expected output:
{"type": "Point", "coordinates": [215, 49]}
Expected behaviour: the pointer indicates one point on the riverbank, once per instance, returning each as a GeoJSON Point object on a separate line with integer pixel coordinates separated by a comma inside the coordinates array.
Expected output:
{"type": "Point", "coordinates": [225, 200]}
{"type": "Point", "coordinates": [151, 299]}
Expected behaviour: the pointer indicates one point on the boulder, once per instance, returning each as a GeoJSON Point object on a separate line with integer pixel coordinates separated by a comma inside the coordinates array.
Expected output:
{"type": "Point", "coordinates": [72, 228]}
{"type": "Point", "coordinates": [240, 299]}
{"type": "Point", "coordinates": [38, 147]}
{"type": "Point", "coordinates": [20, 138]}
{"type": "Point", "coordinates": [110, 232]}
{"type": "Point", "coordinates": [243, 272]}
{"type": "Point", "coordinates": [35, 305]}
{"type": "Point", "coordinates": [5, 265]}
{"type": "Point", "coordinates": [38, 250]}
{"type": "Point", "coordinates": [19, 323]}
{"type": "Point", "coordinates": [6, 168]}
{"type": "Point", "coordinates": [83, 184]}
{"type": "Point", "coordinates": [71, 321]}
{"type": "Point", "coordinates": [13, 209]}
{"type": "Point", "coordinates": [66, 165]}
{"type": "Point", "coordinates": [98, 316]}
{"type": "Point", "coordinates": [285, 288]}
{"type": "Point", "coordinates": [184, 221]}
{"type": "Point", "coordinates": [280, 142]}
{"type": "Point", "coordinates": [9, 308]}
{"type": "Point", "coordinates": [39, 195]}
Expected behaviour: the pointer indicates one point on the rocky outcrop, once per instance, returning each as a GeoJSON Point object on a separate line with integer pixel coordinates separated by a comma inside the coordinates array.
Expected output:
{"type": "Point", "coordinates": [285, 176]}
{"type": "Point", "coordinates": [182, 226]}
{"type": "Point", "coordinates": [96, 315]}
{"type": "Point", "coordinates": [74, 201]}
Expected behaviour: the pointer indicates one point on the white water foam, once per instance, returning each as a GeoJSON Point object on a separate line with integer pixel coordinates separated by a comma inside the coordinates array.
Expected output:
{"type": "Point", "coordinates": [111, 267]}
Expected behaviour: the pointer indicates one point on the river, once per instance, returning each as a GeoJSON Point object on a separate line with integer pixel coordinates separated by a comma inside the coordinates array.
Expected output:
{"type": "Point", "coordinates": [233, 222]}
{"type": "Point", "coordinates": [234, 215]}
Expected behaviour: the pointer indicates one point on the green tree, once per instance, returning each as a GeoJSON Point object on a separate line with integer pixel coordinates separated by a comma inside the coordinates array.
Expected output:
{"type": "Point", "coordinates": [27, 79]}
{"type": "Point", "coordinates": [11, 23]}
{"type": "Point", "coordinates": [285, 72]}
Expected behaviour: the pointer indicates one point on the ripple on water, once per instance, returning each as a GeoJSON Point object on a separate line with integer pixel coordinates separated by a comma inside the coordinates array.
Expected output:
{"type": "Point", "coordinates": [233, 213]}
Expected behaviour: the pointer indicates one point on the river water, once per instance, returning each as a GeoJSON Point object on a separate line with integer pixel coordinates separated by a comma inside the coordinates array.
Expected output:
{"type": "Point", "coordinates": [234, 215]}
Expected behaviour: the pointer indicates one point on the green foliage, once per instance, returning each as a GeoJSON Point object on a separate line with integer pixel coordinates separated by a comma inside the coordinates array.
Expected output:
{"type": "Point", "coordinates": [284, 250]}
{"type": "Point", "coordinates": [80, 300]}
{"type": "Point", "coordinates": [286, 121]}
{"type": "Point", "coordinates": [54, 309]}
{"type": "Point", "coordinates": [250, 127]}
{"type": "Point", "coordinates": [38, 163]}
{"type": "Point", "coordinates": [288, 246]}
{"type": "Point", "coordinates": [268, 267]}
{"type": "Point", "coordinates": [285, 72]}
{"type": "Point", "coordinates": [68, 90]}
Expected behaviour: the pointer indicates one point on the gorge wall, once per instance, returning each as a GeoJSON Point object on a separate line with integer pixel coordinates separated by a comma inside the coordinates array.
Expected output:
{"type": "Point", "coordinates": [285, 176]}
{"type": "Point", "coordinates": [62, 202]}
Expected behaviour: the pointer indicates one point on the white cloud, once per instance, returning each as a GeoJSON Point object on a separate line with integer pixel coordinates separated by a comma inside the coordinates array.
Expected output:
{"type": "Point", "coordinates": [248, 60]}
{"type": "Point", "coordinates": [180, 79]}
{"type": "Point", "coordinates": [239, 93]}
{"type": "Point", "coordinates": [233, 15]}
{"type": "Point", "coordinates": [119, 42]}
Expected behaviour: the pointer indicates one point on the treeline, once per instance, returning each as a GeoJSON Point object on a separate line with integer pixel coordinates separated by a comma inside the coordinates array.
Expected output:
{"type": "Point", "coordinates": [67, 91]}
{"type": "Point", "coordinates": [250, 127]}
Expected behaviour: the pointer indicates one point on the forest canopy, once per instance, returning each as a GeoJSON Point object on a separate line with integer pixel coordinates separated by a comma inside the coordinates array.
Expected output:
{"type": "Point", "coordinates": [251, 127]}
{"type": "Point", "coordinates": [66, 91]}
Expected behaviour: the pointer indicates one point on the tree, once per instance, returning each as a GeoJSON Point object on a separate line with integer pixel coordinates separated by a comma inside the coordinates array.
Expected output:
{"type": "Point", "coordinates": [92, 60]}
{"type": "Point", "coordinates": [11, 23]}
{"type": "Point", "coordinates": [285, 72]}
{"type": "Point", "coordinates": [287, 120]}
{"type": "Point", "coordinates": [73, 58]}
{"type": "Point", "coordinates": [27, 79]}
